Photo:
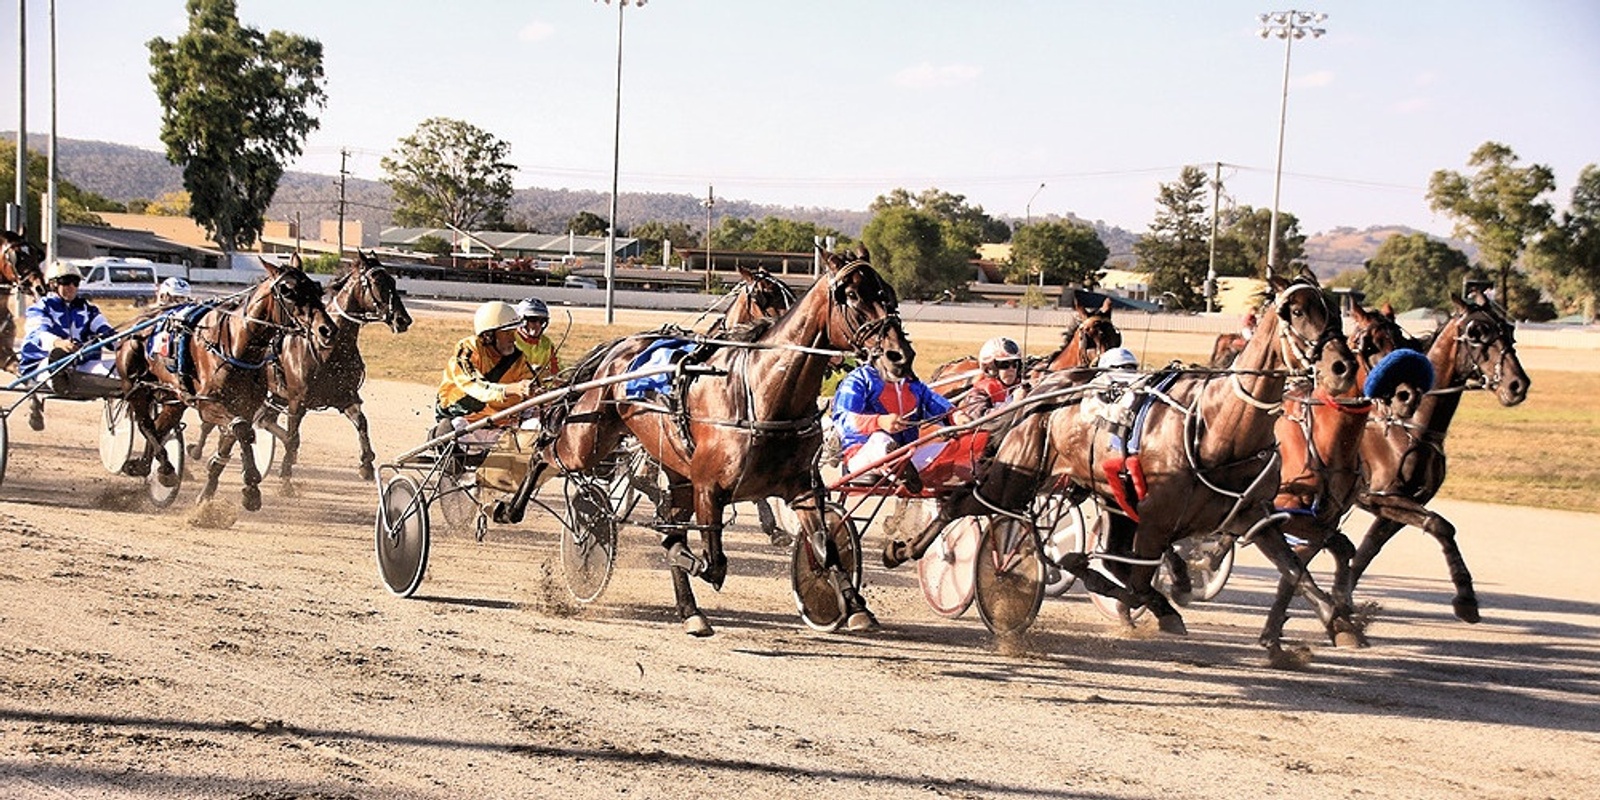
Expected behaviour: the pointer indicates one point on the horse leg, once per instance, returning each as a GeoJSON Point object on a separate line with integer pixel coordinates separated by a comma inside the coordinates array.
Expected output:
{"type": "Point", "coordinates": [267, 419]}
{"type": "Point", "coordinates": [1394, 513]}
{"type": "Point", "coordinates": [510, 511]}
{"type": "Point", "coordinates": [245, 433]}
{"type": "Point", "coordinates": [197, 449]}
{"type": "Point", "coordinates": [1294, 576]}
{"type": "Point", "coordinates": [682, 562]}
{"type": "Point", "coordinates": [359, 420]}
{"type": "Point", "coordinates": [218, 462]}
{"type": "Point", "coordinates": [164, 422]}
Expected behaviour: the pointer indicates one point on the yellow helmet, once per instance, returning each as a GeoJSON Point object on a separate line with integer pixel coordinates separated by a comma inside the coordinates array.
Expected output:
{"type": "Point", "coordinates": [493, 316]}
{"type": "Point", "coordinates": [61, 269]}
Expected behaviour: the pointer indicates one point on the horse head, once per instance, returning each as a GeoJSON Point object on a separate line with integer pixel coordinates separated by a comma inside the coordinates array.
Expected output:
{"type": "Point", "coordinates": [1485, 349]}
{"type": "Point", "coordinates": [367, 293]}
{"type": "Point", "coordinates": [864, 315]}
{"type": "Point", "coordinates": [289, 300]}
{"type": "Point", "coordinates": [21, 262]}
{"type": "Point", "coordinates": [759, 296]}
{"type": "Point", "coordinates": [1308, 332]}
{"type": "Point", "coordinates": [1400, 384]}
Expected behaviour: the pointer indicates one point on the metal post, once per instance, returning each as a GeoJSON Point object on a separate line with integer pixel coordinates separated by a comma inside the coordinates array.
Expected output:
{"type": "Point", "coordinates": [17, 214]}
{"type": "Point", "coordinates": [339, 257]}
{"type": "Point", "coordinates": [1028, 209]}
{"type": "Point", "coordinates": [616, 164]}
{"type": "Point", "coordinates": [1288, 26]}
{"type": "Point", "coordinates": [711, 201]}
{"type": "Point", "coordinates": [1211, 264]}
{"type": "Point", "coordinates": [47, 213]}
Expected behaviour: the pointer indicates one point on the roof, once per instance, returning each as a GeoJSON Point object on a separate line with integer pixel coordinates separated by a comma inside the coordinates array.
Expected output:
{"type": "Point", "coordinates": [122, 240]}
{"type": "Point", "coordinates": [505, 240]}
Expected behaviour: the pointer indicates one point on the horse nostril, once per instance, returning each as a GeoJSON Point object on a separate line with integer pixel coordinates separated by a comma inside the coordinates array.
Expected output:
{"type": "Point", "coordinates": [894, 356]}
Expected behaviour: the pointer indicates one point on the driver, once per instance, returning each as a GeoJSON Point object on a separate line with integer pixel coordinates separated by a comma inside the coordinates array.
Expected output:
{"type": "Point", "coordinates": [878, 408]}
{"type": "Point", "coordinates": [1000, 361]}
{"type": "Point", "coordinates": [174, 292]}
{"type": "Point", "coordinates": [61, 324]}
{"type": "Point", "coordinates": [489, 372]}
{"type": "Point", "coordinates": [536, 348]}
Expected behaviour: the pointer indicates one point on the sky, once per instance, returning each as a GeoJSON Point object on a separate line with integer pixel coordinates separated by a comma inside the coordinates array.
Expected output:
{"type": "Point", "coordinates": [1027, 108]}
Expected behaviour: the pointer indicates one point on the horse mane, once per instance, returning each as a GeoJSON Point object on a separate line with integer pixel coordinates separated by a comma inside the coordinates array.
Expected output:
{"type": "Point", "coordinates": [749, 331]}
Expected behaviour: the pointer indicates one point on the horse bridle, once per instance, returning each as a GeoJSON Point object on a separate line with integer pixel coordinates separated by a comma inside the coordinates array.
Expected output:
{"type": "Point", "coordinates": [1477, 347]}
{"type": "Point", "coordinates": [384, 312]}
{"type": "Point", "coordinates": [1106, 336]}
{"type": "Point", "coordinates": [1297, 347]}
{"type": "Point", "coordinates": [875, 330]}
{"type": "Point", "coordinates": [786, 295]}
{"type": "Point", "coordinates": [9, 252]}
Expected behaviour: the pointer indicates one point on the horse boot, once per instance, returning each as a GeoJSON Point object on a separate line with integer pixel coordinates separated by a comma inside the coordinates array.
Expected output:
{"type": "Point", "coordinates": [36, 413]}
{"type": "Point", "coordinates": [510, 512]}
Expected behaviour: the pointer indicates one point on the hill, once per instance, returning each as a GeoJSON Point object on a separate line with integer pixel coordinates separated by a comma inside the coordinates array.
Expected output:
{"type": "Point", "coordinates": [122, 173]}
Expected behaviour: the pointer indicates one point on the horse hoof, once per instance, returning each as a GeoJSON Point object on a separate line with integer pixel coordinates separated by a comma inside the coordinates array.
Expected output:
{"type": "Point", "coordinates": [252, 498]}
{"type": "Point", "coordinates": [195, 452]}
{"type": "Point", "coordinates": [288, 489]}
{"type": "Point", "coordinates": [503, 513]}
{"type": "Point", "coordinates": [697, 626]}
{"type": "Point", "coordinates": [168, 477]}
{"type": "Point", "coordinates": [862, 620]}
{"type": "Point", "coordinates": [366, 472]}
{"type": "Point", "coordinates": [780, 538]}
{"type": "Point", "coordinates": [1182, 599]}
{"type": "Point", "coordinates": [1349, 639]}
{"type": "Point", "coordinates": [1466, 609]}
{"type": "Point", "coordinates": [894, 553]}
{"type": "Point", "coordinates": [1173, 625]}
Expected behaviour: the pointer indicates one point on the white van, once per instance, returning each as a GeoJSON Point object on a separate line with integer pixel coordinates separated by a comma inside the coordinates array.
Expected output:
{"type": "Point", "coordinates": [119, 278]}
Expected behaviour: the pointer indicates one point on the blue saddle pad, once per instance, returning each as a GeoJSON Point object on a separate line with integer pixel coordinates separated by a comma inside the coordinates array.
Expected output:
{"type": "Point", "coordinates": [1400, 366]}
{"type": "Point", "coordinates": [660, 353]}
{"type": "Point", "coordinates": [1161, 382]}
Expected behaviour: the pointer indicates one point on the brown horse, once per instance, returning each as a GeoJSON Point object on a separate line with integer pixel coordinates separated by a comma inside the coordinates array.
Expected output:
{"type": "Point", "coordinates": [759, 295]}
{"type": "Point", "coordinates": [20, 268]}
{"type": "Point", "coordinates": [1082, 345]}
{"type": "Point", "coordinates": [1207, 462]}
{"type": "Point", "coordinates": [304, 378]}
{"type": "Point", "coordinates": [224, 379]}
{"type": "Point", "coordinates": [1404, 456]}
{"type": "Point", "coordinates": [745, 426]}
{"type": "Point", "coordinates": [1319, 439]}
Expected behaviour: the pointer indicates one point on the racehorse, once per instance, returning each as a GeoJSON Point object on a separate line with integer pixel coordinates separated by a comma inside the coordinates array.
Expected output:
{"type": "Point", "coordinates": [20, 267]}
{"type": "Point", "coordinates": [1082, 346]}
{"type": "Point", "coordinates": [759, 295]}
{"type": "Point", "coordinates": [1207, 461]}
{"type": "Point", "coordinates": [1319, 439]}
{"type": "Point", "coordinates": [224, 377]}
{"type": "Point", "coordinates": [744, 427]}
{"type": "Point", "coordinates": [1404, 456]}
{"type": "Point", "coordinates": [304, 378]}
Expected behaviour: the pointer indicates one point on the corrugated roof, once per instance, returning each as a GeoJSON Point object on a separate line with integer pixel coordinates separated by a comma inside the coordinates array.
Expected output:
{"type": "Point", "coordinates": [503, 240]}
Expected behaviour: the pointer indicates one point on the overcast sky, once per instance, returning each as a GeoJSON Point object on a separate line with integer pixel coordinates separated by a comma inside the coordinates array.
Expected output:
{"type": "Point", "coordinates": [834, 102]}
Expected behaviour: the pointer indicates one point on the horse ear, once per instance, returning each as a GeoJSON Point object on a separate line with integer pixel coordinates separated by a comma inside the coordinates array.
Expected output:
{"type": "Point", "coordinates": [745, 273]}
{"type": "Point", "coordinates": [1459, 302]}
{"type": "Point", "coordinates": [862, 254]}
{"type": "Point", "coordinates": [294, 260]}
{"type": "Point", "coordinates": [1277, 284]}
{"type": "Point", "coordinates": [1388, 310]}
{"type": "Point", "coordinates": [1105, 308]}
{"type": "Point", "coordinates": [270, 267]}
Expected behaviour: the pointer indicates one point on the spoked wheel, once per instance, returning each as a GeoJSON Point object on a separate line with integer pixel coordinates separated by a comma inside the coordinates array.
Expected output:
{"type": "Point", "coordinates": [265, 449]}
{"type": "Point", "coordinates": [946, 569]}
{"type": "Point", "coordinates": [1209, 559]}
{"type": "Point", "coordinates": [116, 435]}
{"type": "Point", "coordinates": [402, 535]}
{"type": "Point", "coordinates": [162, 496]}
{"type": "Point", "coordinates": [1109, 607]}
{"type": "Point", "coordinates": [588, 542]}
{"type": "Point", "coordinates": [1009, 576]}
{"type": "Point", "coordinates": [817, 565]}
{"type": "Point", "coordinates": [1075, 524]}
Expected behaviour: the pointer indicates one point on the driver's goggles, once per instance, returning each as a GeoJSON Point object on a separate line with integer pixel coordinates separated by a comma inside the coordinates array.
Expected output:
{"type": "Point", "coordinates": [1010, 363]}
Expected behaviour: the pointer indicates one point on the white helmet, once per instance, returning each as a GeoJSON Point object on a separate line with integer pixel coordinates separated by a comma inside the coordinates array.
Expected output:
{"type": "Point", "coordinates": [493, 316]}
{"type": "Point", "coordinates": [1118, 358]}
{"type": "Point", "coordinates": [175, 288]}
{"type": "Point", "coordinates": [61, 269]}
{"type": "Point", "coordinates": [998, 349]}
{"type": "Point", "coordinates": [533, 308]}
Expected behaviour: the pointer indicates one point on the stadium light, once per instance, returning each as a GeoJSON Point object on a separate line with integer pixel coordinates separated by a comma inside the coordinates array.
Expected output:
{"type": "Point", "coordinates": [1288, 26]}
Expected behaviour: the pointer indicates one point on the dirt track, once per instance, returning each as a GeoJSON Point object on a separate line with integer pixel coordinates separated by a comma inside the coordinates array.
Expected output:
{"type": "Point", "coordinates": [143, 656]}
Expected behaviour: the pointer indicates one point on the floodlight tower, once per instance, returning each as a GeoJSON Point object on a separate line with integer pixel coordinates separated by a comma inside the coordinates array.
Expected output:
{"type": "Point", "coordinates": [616, 162]}
{"type": "Point", "coordinates": [1288, 26]}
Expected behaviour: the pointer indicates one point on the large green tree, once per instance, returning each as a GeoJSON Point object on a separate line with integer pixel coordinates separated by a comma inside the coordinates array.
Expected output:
{"type": "Point", "coordinates": [909, 248]}
{"type": "Point", "coordinates": [1499, 207]}
{"type": "Point", "coordinates": [1568, 255]}
{"type": "Point", "coordinates": [770, 234]}
{"type": "Point", "coordinates": [588, 223]}
{"type": "Point", "coordinates": [1177, 249]}
{"type": "Point", "coordinates": [236, 106]}
{"type": "Point", "coordinates": [1063, 252]}
{"type": "Point", "coordinates": [450, 172]}
{"type": "Point", "coordinates": [1414, 271]}
{"type": "Point", "coordinates": [1242, 242]}
{"type": "Point", "coordinates": [963, 226]}
{"type": "Point", "coordinates": [653, 233]}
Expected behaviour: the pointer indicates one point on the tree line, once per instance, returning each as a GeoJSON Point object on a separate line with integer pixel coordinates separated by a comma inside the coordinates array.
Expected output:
{"type": "Point", "coordinates": [233, 133]}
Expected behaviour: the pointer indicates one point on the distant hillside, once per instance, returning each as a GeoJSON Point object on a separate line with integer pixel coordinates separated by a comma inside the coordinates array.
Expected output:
{"type": "Point", "coordinates": [123, 173]}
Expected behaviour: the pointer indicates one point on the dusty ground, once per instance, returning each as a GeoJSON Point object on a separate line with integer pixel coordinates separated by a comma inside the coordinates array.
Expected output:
{"type": "Point", "coordinates": [144, 656]}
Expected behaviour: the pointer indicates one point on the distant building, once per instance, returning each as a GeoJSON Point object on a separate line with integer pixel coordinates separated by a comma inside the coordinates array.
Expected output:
{"type": "Point", "coordinates": [510, 246]}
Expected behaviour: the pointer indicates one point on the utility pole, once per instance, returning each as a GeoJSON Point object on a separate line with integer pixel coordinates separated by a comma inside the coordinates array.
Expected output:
{"type": "Point", "coordinates": [1211, 264]}
{"type": "Point", "coordinates": [711, 201]}
{"type": "Point", "coordinates": [17, 212]}
{"type": "Point", "coordinates": [343, 155]}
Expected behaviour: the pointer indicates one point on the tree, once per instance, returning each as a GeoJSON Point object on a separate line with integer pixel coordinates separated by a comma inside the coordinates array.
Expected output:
{"type": "Point", "coordinates": [1568, 255]}
{"type": "Point", "coordinates": [770, 234]}
{"type": "Point", "coordinates": [74, 206]}
{"type": "Point", "coordinates": [1177, 250]}
{"type": "Point", "coordinates": [963, 227]}
{"type": "Point", "coordinates": [588, 223]}
{"type": "Point", "coordinates": [652, 234]}
{"type": "Point", "coordinates": [1242, 242]}
{"type": "Point", "coordinates": [1414, 270]}
{"type": "Point", "coordinates": [235, 108]}
{"type": "Point", "coordinates": [450, 172]}
{"type": "Point", "coordinates": [909, 248]}
{"type": "Point", "coordinates": [1498, 208]}
{"type": "Point", "coordinates": [171, 204]}
{"type": "Point", "coordinates": [1063, 252]}
{"type": "Point", "coordinates": [433, 245]}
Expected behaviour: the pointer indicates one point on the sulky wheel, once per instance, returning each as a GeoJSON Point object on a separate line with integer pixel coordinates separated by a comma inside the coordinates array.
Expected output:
{"type": "Point", "coordinates": [1009, 576]}
{"type": "Point", "coordinates": [945, 570]}
{"type": "Point", "coordinates": [265, 449]}
{"type": "Point", "coordinates": [1073, 529]}
{"type": "Point", "coordinates": [819, 563]}
{"type": "Point", "coordinates": [5, 447]}
{"type": "Point", "coordinates": [1209, 559]}
{"type": "Point", "coordinates": [588, 542]}
{"type": "Point", "coordinates": [402, 535]}
{"type": "Point", "coordinates": [116, 435]}
{"type": "Point", "coordinates": [1109, 607]}
{"type": "Point", "coordinates": [162, 496]}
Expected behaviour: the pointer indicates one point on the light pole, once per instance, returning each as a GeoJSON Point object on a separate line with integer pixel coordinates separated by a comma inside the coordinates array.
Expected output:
{"type": "Point", "coordinates": [616, 163]}
{"type": "Point", "coordinates": [1288, 26]}
{"type": "Point", "coordinates": [1028, 209]}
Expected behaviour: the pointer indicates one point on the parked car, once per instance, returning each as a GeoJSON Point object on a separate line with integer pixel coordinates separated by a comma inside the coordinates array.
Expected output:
{"type": "Point", "coordinates": [579, 282]}
{"type": "Point", "coordinates": [128, 279]}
